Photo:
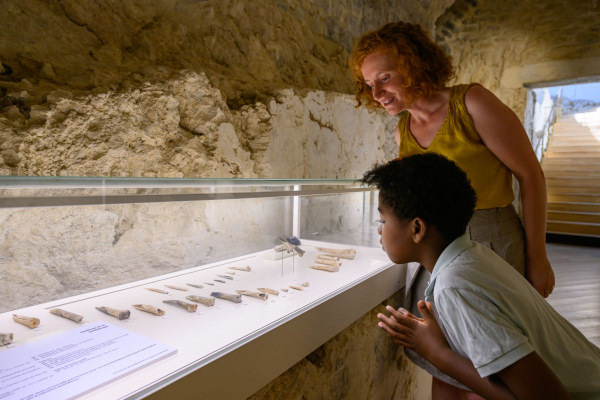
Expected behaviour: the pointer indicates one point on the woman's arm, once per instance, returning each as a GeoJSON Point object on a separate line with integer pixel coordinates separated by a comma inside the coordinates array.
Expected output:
{"type": "Point", "coordinates": [424, 336]}
{"type": "Point", "coordinates": [502, 132]}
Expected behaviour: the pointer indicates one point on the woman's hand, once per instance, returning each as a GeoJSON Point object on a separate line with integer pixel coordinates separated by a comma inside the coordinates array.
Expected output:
{"type": "Point", "coordinates": [538, 272]}
{"type": "Point", "coordinates": [422, 335]}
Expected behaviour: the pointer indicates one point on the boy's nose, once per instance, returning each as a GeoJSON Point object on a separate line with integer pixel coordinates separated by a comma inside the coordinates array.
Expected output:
{"type": "Point", "coordinates": [379, 229]}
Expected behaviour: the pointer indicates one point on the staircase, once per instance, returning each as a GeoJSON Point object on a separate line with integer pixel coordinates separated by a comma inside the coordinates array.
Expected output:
{"type": "Point", "coordinates": [571, 164]}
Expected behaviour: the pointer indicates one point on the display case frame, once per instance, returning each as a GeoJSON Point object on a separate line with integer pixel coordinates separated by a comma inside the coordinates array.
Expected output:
{"type": "Point", "coordinates": [269, 336]}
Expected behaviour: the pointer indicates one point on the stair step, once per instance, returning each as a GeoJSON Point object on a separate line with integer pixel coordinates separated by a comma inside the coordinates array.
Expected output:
{"type": "Point", "coordinates": [571, 153]}
{"type": "Point", "coordinates": [570, 173]}
{"type": "Point", "coordinates": [579, 207]}
{"type": "Point", "coordinates": [582, 181]}
{"type": "Point", "coordinates": [587, 190]}
{"type": "Point", "coordinates": [573, 197]}
{"type": "Point", "coordinates": [554, 215]}
{"type": "Point", "coordinates": [577, 228]}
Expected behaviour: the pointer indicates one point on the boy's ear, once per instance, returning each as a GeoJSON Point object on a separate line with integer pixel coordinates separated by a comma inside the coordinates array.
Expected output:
{"type": "Point", "coordinates": [419, 229]}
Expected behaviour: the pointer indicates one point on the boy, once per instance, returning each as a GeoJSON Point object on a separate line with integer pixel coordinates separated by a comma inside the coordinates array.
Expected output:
{"type": "Point", "coordinates": [500, 338]}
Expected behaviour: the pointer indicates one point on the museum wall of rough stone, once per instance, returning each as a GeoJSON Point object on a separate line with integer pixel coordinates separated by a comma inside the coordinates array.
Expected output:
{"type": "Point", "coordinates": [230, 89]}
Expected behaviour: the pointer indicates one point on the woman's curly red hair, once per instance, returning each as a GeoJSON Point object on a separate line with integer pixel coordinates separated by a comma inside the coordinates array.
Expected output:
{"type": "Point", "coordinates": [426, 66]}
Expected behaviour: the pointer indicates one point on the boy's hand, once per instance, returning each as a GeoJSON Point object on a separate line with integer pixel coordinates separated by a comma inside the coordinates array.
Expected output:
{"type": "Point", "coordinates": [422, 335]}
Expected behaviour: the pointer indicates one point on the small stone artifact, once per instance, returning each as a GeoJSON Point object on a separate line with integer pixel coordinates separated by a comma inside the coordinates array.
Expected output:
{"type": "Point", "coordinates": [270, 291]}
{"type": "Point", "coordinates": [284, 289]}
{"type": "Point", "coordinates": [30, 322]}
{"type": "Point", "coordinates": [258, 295]}
{"type": "Point", "coordinates": [326, 257]}
{"type": "Point", "coordinates": [341, 253]}
{"type": "Point", "coordinates": [226, 277]}
{"type": "Point", "coordinates": [149, 309]}
{"type": "Point", "coordinates": [236, 298]}
{"type": "Point", "coordinates": [182, 304]}
{"type": "Point", "coordinates": [305, 284]}
{"type": "Point", "coordinates": [219, 280]}
{"type": "Point", "coordinates": [119, 314]}
{"type": "Point", "coordinates": [207, 301]}
{"type": "Point", "coordinates": [195, 285]}
{"type": "Point", "coordinates": [328, 262]}
{"type": "Point", "coordinates": [246, 268]}
{"type": "Point", "coordinates": [329, 268]}
{"type": "Point", "coordinates": [6, 338]}
{"type": "Point", "coordinates": [67, 314]}
{"type": "Point", "coordinates": [157, 290]}
{"type": "Point", "coordinates": [211, 284]}
{"type": "Point", "coordinates": [177, 288]}
{"type": "Point", "coordinates": [296, 287]}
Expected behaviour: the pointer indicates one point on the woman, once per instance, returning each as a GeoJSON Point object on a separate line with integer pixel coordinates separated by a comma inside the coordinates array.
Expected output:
{"type": "Point", "coordinates": [400, 69]}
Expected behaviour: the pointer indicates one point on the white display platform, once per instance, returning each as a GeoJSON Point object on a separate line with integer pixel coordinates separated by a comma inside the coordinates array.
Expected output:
{"type": "Point", "coordinates": [228, 350]}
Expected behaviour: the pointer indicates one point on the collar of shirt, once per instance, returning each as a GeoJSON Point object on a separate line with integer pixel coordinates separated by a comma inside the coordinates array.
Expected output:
{"type": "Point", "coordinates": [459, 245]}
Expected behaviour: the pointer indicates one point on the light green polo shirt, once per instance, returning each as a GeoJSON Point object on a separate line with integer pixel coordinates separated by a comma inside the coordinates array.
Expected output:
{"type": "Point", "coordinates": [494, 317]}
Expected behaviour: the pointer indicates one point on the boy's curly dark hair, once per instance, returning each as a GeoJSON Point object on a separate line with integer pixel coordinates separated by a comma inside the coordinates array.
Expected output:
{"type": "Point", "coordinates": [428, 186]}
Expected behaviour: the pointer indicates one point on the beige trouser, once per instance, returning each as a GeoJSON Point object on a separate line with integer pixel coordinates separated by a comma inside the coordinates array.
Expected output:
{"type": "Point", "coordinates": [497, 228]}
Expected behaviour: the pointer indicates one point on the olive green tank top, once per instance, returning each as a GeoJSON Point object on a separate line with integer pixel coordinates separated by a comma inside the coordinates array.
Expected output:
{"type": "Point", "coordinates": [458, 140]}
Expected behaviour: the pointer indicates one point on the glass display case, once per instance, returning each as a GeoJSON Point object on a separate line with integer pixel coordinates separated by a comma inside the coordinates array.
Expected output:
{"type": "Point", "coordinates": [257, 300]}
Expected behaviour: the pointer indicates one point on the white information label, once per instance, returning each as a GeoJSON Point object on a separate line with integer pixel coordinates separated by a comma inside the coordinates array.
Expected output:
{"type": "Point", "coordinates": [75, 362]}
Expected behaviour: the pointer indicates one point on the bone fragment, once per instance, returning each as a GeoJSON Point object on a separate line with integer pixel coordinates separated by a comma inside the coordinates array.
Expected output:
{"type": "Point", "coordinates": [149, 309]}
{"type": "Point", "coordinates": [258, 295]}
{"type": "Point", "coordinates": [246, 268]}
{"type": "Point", "coordinates": [296, 287]}
{"type": "Point", "coordinates": [67, 314]}
{"type": "Point", "coordinates": [348, 256]}
{"type": "Point", "coordinates": [207, 301]}
{"type": "Point", "coordinates": [195, 285]}
{"type": "Point", "coordinates": [336, 251]}
{"type": "Point", "coordinates": [236, 298]}
{"type": "Point", "coordinates": [219, 280]}
{"type": "Point", "coordinates": [157, 290]}
{"type": "Point", "coordinates": [328, 262]}
{"type": "Point", "coordinates": [326, 257]}
{"type": "Point", "coordinates": [119, 314]}
{"type": "Point", "coordinates": [226, 277]}
{"type": "Point", "coordinates": [30, 322]}
{"type": "Point", "coordinates": [6, 338]}
{"type": "Point", "coordinates": [284, 289]}
{"type": "Point", "coordinates": [230, 272]}
{"type": "Point", "coordinates": [177, 288]}
{"type": "Point", "coordinates": [328, 268]}
{"type": "Point", "coordinates": [280, 247]}
{"type": "Point", "coordinates": [267, 290]}
{"type": "Point", "coordinates": [305, 284]}
{"type": "Point", "coordinates": [189, 307]}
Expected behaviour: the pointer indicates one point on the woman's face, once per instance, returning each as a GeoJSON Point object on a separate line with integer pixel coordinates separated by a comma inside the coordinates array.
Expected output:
{"type": "Point", "coordinates": [381, 72]}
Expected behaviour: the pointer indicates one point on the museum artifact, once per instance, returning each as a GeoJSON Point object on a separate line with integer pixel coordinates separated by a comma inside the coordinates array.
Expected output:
{"type": "Point", "coordinates": [246, 268]}
{"type": "Point", "coordinates": [341, 253]}
{"type": "Point", "coordinates": [236, 298]}
{"type": "Point", "coordinates": [226, 277]}
{"type": "Point", "coordinates": [326, 257]}
{"type": "Point", "coordinates": [149, 309]}
{"type": "Point", "coordinates": [66, 314]}
{"type": "Point", "coordinates": [119, 314]}
{"type": "Point", "coordinates": [157, 290]}
{"type": "Point", "coordinates": [270, 291]}
{"type": "Point", "coordinates": [30, 322]}
{"type": "Point", "coordinates": [291, 245]}
{"type": "Point", "coordinates": [219, 280]}
{"type": "Point", "coordinates": [207, 301]}
{"type": "Point", "coordinates": [189, 307]}
{"type": "Point", "coordinates": [296, 287]}
{"type": "Point", "coordinates": [177, 288]}
{"type": "Point", "coordinates": [258, 295]}
{"type": "Point", "coordinates": [329, 268]}
{"type": "Point", "coordinates": [6, 338]}
{"type": "Point", "coordinates": [328, 262]}
{"type": "Point", "coordinates": [195, 285]}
